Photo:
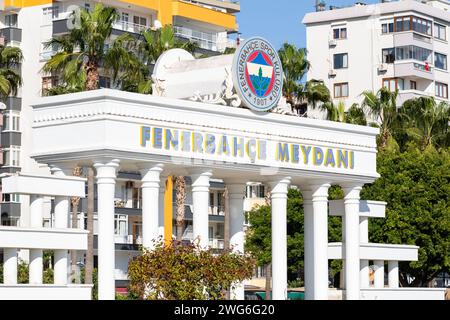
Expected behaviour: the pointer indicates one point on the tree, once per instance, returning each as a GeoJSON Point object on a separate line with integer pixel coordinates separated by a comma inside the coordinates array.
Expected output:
{"type": "Point", "coordinates": [426, 122]}
{"type": "Point", "coordinates": [259, 242]}
{"type": "Point", "coordinates": [185, 272]}
{"type": "Point", "coordinates": [382, 107]}
{"type": "Point", "coordinates": [84, 50]}
{"type": "Point", "coordinates": [89, 267]}
{"type": "Point", "coordinates": [314, 92]}
{"type": "Point", "coordinates": [10, 79]}
{"type": "Point", "coordinates": [416, 185]}
{"type": "Point", "coordinates": [295, 66]}
{"type": "Point", "coordinates": [354, 115]}
{"type": "Point", "coordinates": [75, 201]}
{"type": "Point", "coordinates": [180, 187]}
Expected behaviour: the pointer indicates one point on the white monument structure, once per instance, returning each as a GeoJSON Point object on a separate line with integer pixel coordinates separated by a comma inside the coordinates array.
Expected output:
{"type": "Point", "coordinates": [196, 124]}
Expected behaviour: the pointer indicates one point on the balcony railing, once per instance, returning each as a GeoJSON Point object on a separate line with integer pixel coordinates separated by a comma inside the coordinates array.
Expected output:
{"type": "Point", "coordinates": [205, 40]}
{"type": "Point", "coordinates": [129, 26]}
{"type": "Point", "coordinates": [217, 243]}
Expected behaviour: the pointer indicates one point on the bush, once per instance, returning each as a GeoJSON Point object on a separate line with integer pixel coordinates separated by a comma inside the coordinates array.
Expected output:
{"type": "Point", "coordinates": [184, 272]}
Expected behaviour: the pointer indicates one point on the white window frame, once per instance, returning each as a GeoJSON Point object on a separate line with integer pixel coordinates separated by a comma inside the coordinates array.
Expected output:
{"type": "Point", "coordinates": [13, 198]}
{"type": "Point", "coordinates": [11, 156]}
{"type": "Point", "coordinates": [441, 90]}
{"type": "Point", "coordinates": [437, 31]}
{"type": "Point", "coordinates": [11, 121]}
{"type": "Point", "coordinates": [118, 218]}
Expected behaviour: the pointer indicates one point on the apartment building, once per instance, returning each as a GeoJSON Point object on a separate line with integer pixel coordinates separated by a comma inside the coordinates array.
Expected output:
{"type": "Point", "coordinates": [395, 44]}
{"type": "Point", "coordinates": [29, 24]}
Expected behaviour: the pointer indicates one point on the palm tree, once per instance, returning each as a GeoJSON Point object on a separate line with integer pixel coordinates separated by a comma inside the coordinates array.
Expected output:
{"type": "Point", "coordinates": [180, 187]}
{"type": "Point", "coordinates": [295, 66]}
{"type": "Point", "coordinates": [10, 79]}
{"type": "Point", "coordinates": [382, 107]}
{"type": "Point", "coordinates": [354, 115]}
{"type": "Point", "coordinates": [314, 92]}
{"type": "Point", "coordinates": [82, 52]}
{"type": "Point", "coordinates": [426, 121]}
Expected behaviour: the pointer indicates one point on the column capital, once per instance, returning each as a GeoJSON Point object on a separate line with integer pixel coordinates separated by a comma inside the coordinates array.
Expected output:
{"type": "Point", "coordinates": [150, 172]}
{"type": "Point", "coordinates": [106, 170]}
{"type": "Point", "coordinates": [315, 191]}
{"type": "Point", "coordinates": [279, 184]}
{"type": "Point", "coordinates": [200, 178]}
{"type": "Point", "coordinates": [61, 169]}
{"type": "Point", "coordinates": [235, 187]}
{"type": "Point", "coordinates": [351, 191]}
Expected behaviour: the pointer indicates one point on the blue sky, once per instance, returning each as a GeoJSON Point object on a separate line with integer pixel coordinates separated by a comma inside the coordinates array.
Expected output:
{"type": "Point", "coordinates": [279, 20]}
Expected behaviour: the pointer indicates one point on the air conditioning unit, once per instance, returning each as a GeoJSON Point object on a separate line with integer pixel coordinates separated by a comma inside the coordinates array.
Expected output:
{"type": "Point", "coordinates": [332, 73]}
{"type": "Point", "coordinates": [382, 67]}
{"type": "Point", "coordinates": [332, 42]}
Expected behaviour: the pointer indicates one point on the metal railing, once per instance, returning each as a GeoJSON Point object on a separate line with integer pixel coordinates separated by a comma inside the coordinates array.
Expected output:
{"type": "Point", "coordinates": [129, 26]}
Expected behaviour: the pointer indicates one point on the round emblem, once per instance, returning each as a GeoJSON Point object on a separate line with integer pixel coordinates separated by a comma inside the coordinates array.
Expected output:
{"type": "Point", "coordinates": [258, 74]}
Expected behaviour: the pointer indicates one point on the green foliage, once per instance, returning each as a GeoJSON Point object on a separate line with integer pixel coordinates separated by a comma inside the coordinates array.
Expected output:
{"type": "Point", "coordinates": [10, 79]}
{"type": "Point", "coordinates": [184, 272]}
{"type": "Point", "coordinates": [416, 186]}
{"type": "Point", "coordinates": [258, 239]}
{"type": "Point", "coordinates": [94, 280]}
{"type": "Point", "coordinates": [22, 272]}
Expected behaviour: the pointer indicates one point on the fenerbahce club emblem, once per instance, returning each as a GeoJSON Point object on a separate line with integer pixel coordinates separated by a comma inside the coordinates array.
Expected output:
{"type": "Point", "coordinates": [258, 74]}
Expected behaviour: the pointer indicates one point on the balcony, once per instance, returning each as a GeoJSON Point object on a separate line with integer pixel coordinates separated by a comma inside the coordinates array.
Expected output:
{"type": "Point", "coordinates": [126, 26]}
{"type": "Point", "coordinates": [205, 40]}
{"type": "Point", "coordinates": [232, 6]}
{"type": "Point", "coordinates": [405, 95]}
{"type": "Point", "coordinates": [217, 243]}
{"type": "Point", "coordinates": [11, 35]}
{"type": "Point", "coordinates": [413, 68]}
{"type": "Point", "coordinates": [413, 38]}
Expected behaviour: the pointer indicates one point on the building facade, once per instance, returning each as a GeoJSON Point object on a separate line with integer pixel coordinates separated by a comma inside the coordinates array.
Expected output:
{"type": "Point", "coordinates": [394, 44]}
{"type": "Point", "coordinates": [28, 25]}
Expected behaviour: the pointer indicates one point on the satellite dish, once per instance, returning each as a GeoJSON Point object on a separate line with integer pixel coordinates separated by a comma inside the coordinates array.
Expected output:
{"type": "Point", "coordinates": [2, 106]}
{"type": "Point", "coordinates": [157, 25]}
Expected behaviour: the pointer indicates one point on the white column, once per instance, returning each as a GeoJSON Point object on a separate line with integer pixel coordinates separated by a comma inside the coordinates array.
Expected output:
{"type": "Point", "coordinates": [150, 204]}
{"type": "Point", "coordinates": [162, 191]}
{"type": "Point", "coordinates": [279, 191]}
{"type": "Point", "coordinates": [10, 266]}
{"type": "Point", "coordinates": [61, 222]}
{"type": "Point", "coordinates": [316, 241]}
{"type": "Point", "coordinates": [364, 264]}
{"type": "Point", "coordinates": [379, 274]}
{"type": "Point", "coordinates": [106, 180]}
{"type": "Point", "coordinates": [393, 274]}
{"type": "Point", "coordinates": [351, 259]}
{"type": "Point", "coordinates": [36, 267]}
{"type": "Point", "coordinates": [200, 198]}
{"type": "Point", "coordinates": [236, 207]}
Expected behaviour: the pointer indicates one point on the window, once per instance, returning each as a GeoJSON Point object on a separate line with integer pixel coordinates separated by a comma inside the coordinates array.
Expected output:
{"type": "Point", "coordinates": [220, 202]}
{"type": "Point", "coordinates": [413, 85]}
{"type": "Point", "coordinates": [11, 156]}
{"type": "Point", "coordinates": [7, 197]}
{"type": "Point", "coordinates": [120, 225]}
{"type": "Point", "coordinates": [413, 52]}
{"type": "Point", "coordinates": [211, 199]}
{"type": "Point", "coordinates": [440, 61]}
{"type": "Point", "coordinates": [340, 61]}
{"type": "Point", "coordinates": [388, 55]}
{"type": "Point", "coordinates": [87, 6]}
{"type": "Point", "coordinates": [421, 25]}
{"type": "Point", "coordinates": [255, 191]}
{"type": "Point", "coordinates": [48, 83]}
{"type": "Point", "coordinates": [124, 20]}
{"type": "Point", "coordinates": [341, 90]}
{"type": "Point", "coordinates": [387, 27]}
{"type": "Point", "coordinates": [394, 84]}
{"type": "Point", "coordinates": [340, 33]}
{"type": "Point", "coordinates": [440, 31]}
{"type": "Point", "coordinates": [49, 14]}
{"type": "Point", "coordinates": [11, 20]}
{"type": "Point", "coordinates": [11, 121]}
{"type": "Point", "coordinates": [402, 24]}
{"type": "Point", "coordinates": [104, 82]}
{"type": "Point", "coordinates": [441, 90]}
{"type": "Point", "coordinates": [413, 23]}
